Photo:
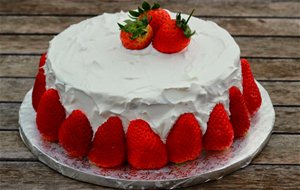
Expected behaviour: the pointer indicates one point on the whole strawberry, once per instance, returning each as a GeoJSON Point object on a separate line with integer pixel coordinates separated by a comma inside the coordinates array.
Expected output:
{"type": "Point", "coordinates": [184, 141]}
{"type": "Point", "coordinates": [38, 89]}
{"type": "Point", "coordinates": [173, 36]}
{"type": "Point", "coordinates": [145, 150]}
{"type": "Point", "coordinates": [219, 134]}
{"type": "Point", "coordinates": [50, 115]}
{"type": "Point", "coordinates": [109, 145]}
{"type": "Point", "coordinates": [75, 134]}
{"type": "Point", "coordinates": [239, 115]}
{"type": "Point", "coordinates": [250, 89]}
{"type": "Point", "coordinates": [136, 34]}
{"type": "Point", "coordinates": [156, 15]}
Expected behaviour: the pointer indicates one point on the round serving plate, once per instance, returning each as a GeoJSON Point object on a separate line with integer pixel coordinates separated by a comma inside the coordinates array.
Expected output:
{"type": "Point", "coordinates": [210, 166]}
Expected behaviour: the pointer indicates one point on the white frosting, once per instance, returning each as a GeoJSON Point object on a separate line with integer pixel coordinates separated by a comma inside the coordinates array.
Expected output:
{"type": "Point", "coordinates": [95, 73]}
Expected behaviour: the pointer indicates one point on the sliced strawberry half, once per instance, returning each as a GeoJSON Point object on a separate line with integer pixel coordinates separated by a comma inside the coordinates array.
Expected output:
{"type": "Point", "coordinates": [145, 150]}
{"type": "Point", "coordinates": [50, 115]}
{"type": "Point", "coordinates": [219, 134]}
{"type": "Point", "coordinates": [250, 89]}
{"type": "Point", "coordinates": [42, 60]}
{"type": "Point", "coordinates": [239, 114]}
{"type": "Point", "coordinates": [109, 145]}
{"type": "Point", "coordinates": [184, 141]}
{"type": "Point", "coordinates": [75, 134]}
{"type": "Point", "coordinates": [38, 89]}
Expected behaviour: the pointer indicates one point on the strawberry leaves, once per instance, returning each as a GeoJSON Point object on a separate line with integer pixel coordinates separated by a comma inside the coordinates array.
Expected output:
{"type": "Point", "coordinates": [146, 6]}
{"type": "Point", "coordinates": [135, 27]}
{"type": "Point", "coordinates": [183, 24]}
{"type": "Point", "coordinates": [141, 10]}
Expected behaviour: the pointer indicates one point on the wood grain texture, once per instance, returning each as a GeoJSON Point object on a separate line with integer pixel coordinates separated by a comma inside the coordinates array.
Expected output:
{"type": "Point", "coordinates": [250, 46]}
{"type": "Point", "coordinates": [281, 92]}
{"type": "Point", "coordinates": [12, 147]}
{"type": "Point", "coordinates": [269, 47]}
{"type": "Point", "coordinates": [263, 69]}
{"type": "Point", "coordinates": [9, 116]}
{"type": "Point", "coordinates": [18, 66]}
{"type": "Point", "coordinates": [275, 69]}
{"type": "Point", "coordinates": [268, 8]}
{"type": "Point", "coordinates": [257, 177]}
{"type": "Point", "coordinates": [14, 89]}
{"type": "Point", "coordinates": [287, 118]}
{"type": "Point", "coordinates": [281, 149]}
{"type": "Point", "coordinates": [35, 175]}
{"type": "Point", "coordinates": [235, 26]}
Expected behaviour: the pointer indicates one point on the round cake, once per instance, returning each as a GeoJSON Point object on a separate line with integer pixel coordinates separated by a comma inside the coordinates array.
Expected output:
{"type": "Point", "coordinates": [93, 72]}
{"type": "Point", "coordinates": [146, 106]}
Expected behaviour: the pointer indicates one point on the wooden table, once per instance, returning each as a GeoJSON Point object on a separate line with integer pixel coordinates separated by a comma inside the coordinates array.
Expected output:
{"type": "Point", "coordinates": [267, 32]}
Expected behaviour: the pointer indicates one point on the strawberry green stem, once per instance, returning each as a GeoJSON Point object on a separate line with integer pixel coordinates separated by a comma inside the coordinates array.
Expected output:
{"type": "Point", "coordinates": [190, 16]}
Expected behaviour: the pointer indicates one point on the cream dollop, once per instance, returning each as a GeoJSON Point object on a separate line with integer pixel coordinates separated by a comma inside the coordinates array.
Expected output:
{"type": "Point", "coordinates": [93, 72]}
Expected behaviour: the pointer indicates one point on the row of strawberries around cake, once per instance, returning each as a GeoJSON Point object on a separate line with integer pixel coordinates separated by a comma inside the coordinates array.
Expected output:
{"type": "Point", "coordinates": [140, 146]}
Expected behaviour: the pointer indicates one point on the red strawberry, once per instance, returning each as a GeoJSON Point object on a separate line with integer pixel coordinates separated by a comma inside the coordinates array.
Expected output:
{"type": "Point", "coordinates": [173, 36]}
{"type": "Point", "coordinates": [38, 89]}
{"type": "Point", "coordinates": [250, 89]}
{"type": "Point", "coordinates": [219, 133]}
{"type": "Point", "coordinates": [145, 149]}
{"type": "Point", "coordinates": [184, 141]}
{"type": "Point", "coordinates": [43, 60]}
{"type": "Point", "coordinates": [75, 134]}
{"type": "Point", "coordinates": [50, 115]}
{"type": "Point", "coordinates": [239, 115]}
{"type": "Point", "coordinates": [156, 16]}
{"type": "Point", "coordinates": [136, 34]}
{"type": "Point", "coordinates": [109, 146]}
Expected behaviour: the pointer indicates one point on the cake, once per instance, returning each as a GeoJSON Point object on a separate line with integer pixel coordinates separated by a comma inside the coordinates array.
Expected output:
{"type": "Point", "coordinates": [147, 106]}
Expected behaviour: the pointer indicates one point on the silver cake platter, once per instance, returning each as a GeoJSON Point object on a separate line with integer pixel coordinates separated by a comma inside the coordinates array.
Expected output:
{"type": "Point", "coordinates": [210, 166]}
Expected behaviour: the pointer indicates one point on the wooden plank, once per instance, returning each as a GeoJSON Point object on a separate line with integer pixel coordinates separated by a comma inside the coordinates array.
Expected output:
{"type": "Point", "coordinates": [35, 175]}
{"type": "Point", "coordinates": [279, 147]}
{"type": "Point", "coordinates": [13, 89]}
{"type": "Point", "coordinates": [282, 149]}
{"type": "Point", "coordinates": [259, 26]}
{"type": "Point", "coordinates": [275, 69]}
{"type": "Point", "coordinates": [263, 69]}
{"type": "Point", "coordinates": [236, 26]}
{"type": "Point", "coordinates": [9, 116]}
{"type": "Point", "coordinates": [269, 47]}
{"type": "Point", "coordinates": [266, 8]}
{"type": "Point", "coordinates": [27, 44]}
{"type": "Point", "coordinates": [13, 148]}
{"type": "Point", "coordinates": [257, 177]}
{"type": "Point", "coordinates": [18, 66]}
{"type": "Point", "coordinates": [36, 24]}
{"type": "Point", "coordinates": [283, 93]}
{"type": "Point", "coordinates": [287, 118]}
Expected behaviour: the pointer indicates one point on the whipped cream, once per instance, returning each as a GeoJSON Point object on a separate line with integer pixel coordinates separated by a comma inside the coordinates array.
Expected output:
{"type": "Point", "coordinates": [93, 72]}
